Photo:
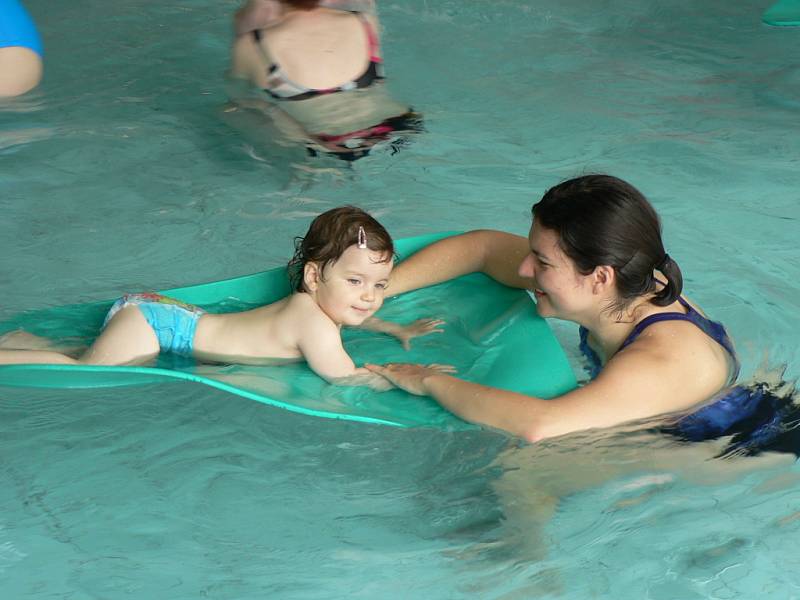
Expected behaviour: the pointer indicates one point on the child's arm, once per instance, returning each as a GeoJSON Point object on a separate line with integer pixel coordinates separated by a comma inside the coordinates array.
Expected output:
{"type": "Point", "coordinates": [320, 342]}
{"type": "Point", "coordinates": [404, 333]}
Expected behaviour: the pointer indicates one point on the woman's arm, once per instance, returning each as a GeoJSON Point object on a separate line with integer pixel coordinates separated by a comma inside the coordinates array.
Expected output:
{"type": "Point", "coordinates": [495, 253]}
{"type": "Point", "coordinates": [638, 383]}
{"type": "Point", "coordinates": [247, 63]}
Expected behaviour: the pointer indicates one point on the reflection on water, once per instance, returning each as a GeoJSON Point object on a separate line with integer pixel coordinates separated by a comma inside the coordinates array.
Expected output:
{"type": "Point", "coordinates": [11, 138]}
{"type": "Point", "coordinates": [338, 124]}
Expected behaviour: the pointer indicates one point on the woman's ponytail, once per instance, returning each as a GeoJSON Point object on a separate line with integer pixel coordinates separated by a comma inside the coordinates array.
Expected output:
{"type": "Point", "coordinates": [674, 284]}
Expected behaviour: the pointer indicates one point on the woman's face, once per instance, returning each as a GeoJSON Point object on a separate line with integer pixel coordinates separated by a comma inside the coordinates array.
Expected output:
{"type": "Point", "coordinates": [560, 290]}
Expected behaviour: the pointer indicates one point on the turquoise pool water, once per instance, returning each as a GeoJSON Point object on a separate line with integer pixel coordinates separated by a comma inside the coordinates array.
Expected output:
{"type": "Point", "coordinates": [120, 174]}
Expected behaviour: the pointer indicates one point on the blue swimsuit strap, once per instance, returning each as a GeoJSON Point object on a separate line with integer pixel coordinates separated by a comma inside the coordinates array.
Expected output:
{"type": "Point", "coordinates": [751, 412]}
{"type": "Point", "coordinates": [657, 318]}
{"type": "Point", "coordinates": [716, 331]}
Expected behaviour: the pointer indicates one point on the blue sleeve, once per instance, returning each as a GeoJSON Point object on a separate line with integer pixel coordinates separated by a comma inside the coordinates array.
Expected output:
{"type": "Point", "coordinates": [17, 27]}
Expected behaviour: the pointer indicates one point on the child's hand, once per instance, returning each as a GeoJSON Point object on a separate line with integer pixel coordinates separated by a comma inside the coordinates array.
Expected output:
{"type": "Point", "coordinates": [417, 329]}
{"type": "Point", "coordinates": [404, 333]}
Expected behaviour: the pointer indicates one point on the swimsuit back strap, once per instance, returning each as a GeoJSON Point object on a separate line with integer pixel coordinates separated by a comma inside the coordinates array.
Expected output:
{"type": "Point", "coordinates": [372, 38]}
{"type": "Point", "coordinates": [257, 37]}
{"type": "Point", "coordinates": [295, 91]}
{"type": "Point", "coordinates": [656, 318]}
{"type": "Point", "coordinates": [287, 89]}
{"type": "Point", "coordinates": [686, 305]}
{"type": "Point", "coordinates": [713, 329]}
{"type": "Point", "coordinates": [716, 331]}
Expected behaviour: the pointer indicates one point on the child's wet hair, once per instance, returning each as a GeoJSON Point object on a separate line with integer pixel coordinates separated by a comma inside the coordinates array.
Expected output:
{"type": "Point", "coordinates": [330, 234]}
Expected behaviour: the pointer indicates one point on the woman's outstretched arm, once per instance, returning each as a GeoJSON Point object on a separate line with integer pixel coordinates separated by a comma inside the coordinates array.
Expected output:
{"type": "Point", "coordinates": [495, 253]}
{"type": "Point", "coordinates": [638, 383]}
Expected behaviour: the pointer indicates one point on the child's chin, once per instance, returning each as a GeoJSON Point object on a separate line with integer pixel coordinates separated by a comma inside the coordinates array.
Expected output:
{"type": "Point", "coordinates": [357, 319]}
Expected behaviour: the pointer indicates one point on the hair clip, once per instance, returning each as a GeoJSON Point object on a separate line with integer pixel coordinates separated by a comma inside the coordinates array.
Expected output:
{"type": "Point", "coordinates": [362, 238]}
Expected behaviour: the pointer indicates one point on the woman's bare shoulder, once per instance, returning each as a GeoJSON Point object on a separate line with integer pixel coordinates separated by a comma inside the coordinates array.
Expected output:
{"type": "Point", "coordinates": [676, 355]}
{"type": "Point", "coordinates": [676, 337]}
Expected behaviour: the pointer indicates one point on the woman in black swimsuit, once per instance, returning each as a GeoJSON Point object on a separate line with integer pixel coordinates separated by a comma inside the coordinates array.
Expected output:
{"type": "Point", "coordinates": [320, 66]}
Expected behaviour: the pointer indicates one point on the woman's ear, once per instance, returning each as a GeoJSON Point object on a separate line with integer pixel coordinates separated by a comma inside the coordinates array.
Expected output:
{"type": "Point", "coordinates": [604, 279]}
{"type": "Point", "coordinates": [311, 276]}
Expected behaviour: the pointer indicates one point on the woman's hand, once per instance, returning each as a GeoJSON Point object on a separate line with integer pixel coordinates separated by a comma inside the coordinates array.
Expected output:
{"type": "Point", "coordinates": [410, 377]}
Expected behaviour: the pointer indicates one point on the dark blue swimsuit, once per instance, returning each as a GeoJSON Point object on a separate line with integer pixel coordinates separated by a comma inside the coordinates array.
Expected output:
{"type": "Point", "coordinates": [754, 416]}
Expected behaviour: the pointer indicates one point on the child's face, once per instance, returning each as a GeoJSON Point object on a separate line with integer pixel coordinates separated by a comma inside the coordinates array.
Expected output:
{"type": "Point", "coordinates": [352, 288]}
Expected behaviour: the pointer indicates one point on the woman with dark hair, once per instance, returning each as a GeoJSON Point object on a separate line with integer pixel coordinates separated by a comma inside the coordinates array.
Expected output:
{"type": "Point", "coordinates": [318, 69]}
{"type": "Point", "coordinates": [594, 256]}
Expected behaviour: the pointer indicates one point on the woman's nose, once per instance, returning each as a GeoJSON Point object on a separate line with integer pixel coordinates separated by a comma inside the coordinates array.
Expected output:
{"type": "Point", "coordinates": [526, 267]}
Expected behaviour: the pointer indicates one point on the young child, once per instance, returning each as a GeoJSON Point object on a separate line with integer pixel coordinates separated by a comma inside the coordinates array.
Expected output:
{"type": "Point", "coordinates": [339, 274]}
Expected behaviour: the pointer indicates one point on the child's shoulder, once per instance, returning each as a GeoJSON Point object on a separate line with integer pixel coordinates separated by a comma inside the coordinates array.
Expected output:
{"type": "Point", "coordinates": [301, 301]}
{"type": "Point", "coordinates": [306, 318]}
{"type": "Point", "coordinates": [303, 305]}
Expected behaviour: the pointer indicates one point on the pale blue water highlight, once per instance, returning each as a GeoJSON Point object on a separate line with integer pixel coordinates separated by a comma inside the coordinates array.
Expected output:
{"type": "Point", "coordinates": [119, 174]}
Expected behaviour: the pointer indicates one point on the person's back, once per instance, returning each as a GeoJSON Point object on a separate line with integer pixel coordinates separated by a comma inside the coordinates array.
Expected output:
{"type": "Point", "coordinates": [320, 63]}
{"type": "Point", "coordinates": [322, 49]}
{"type": "Point", "coordinates": [295, 52]}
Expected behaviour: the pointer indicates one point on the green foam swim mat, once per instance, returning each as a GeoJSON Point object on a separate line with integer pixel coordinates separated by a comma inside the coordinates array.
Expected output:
{"type": "Point", "coordinates": [492, 336]}
{"type": "Point", "coordinates": [783, 13]}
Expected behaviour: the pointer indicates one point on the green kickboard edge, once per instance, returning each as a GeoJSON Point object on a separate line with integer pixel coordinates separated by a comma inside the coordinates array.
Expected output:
{"type": "Point", "coordinates": [492, 335]}
{"type": "Point", "coordinates": [784, 13]}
